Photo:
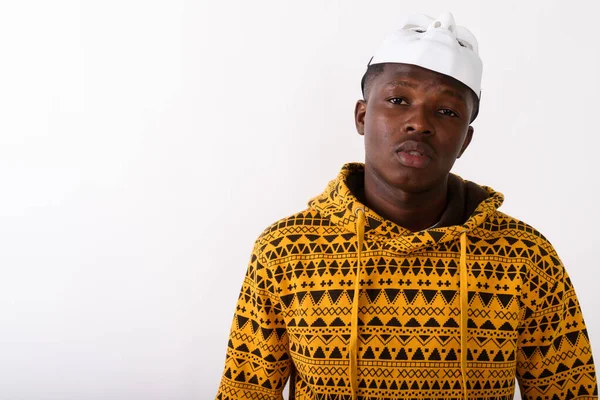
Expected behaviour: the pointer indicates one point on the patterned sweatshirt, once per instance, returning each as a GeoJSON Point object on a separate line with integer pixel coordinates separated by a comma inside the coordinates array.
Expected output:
{"type": "Point", "coordinates": [348, 305]}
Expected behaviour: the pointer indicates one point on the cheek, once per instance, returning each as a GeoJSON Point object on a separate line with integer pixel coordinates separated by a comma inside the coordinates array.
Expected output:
{"type": "Point", "coordinates": [379, 128]}
{"type": "Point", "coordinates": [379, 140]}
{"type": "Point", "coordinates": [453, 144]}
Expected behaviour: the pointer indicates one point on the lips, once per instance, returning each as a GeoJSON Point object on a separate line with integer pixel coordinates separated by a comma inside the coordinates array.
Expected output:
{"type": "Point", "coordinates": [414, 154]}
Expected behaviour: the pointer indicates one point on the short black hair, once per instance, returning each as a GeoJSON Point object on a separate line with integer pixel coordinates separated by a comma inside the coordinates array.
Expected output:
{"type": "Point", "coordinates": [374, 70]}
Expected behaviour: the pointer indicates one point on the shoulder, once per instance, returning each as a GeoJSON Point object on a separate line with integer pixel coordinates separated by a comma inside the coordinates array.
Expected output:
{"type": "Point", "coordinates": [507, 225]}
{"type": "Point", "coordinates": [521, 241]}
{"type": "Point", "coordinates": [282, 237]}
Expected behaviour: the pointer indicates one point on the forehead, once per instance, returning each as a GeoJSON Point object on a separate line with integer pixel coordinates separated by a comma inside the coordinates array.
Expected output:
{"type": "Point", "coordinates": [396, 74]}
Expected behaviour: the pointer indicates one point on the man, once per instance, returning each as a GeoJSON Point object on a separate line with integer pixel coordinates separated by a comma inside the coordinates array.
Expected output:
{"type": "Point", "coordinates": [402, 280]}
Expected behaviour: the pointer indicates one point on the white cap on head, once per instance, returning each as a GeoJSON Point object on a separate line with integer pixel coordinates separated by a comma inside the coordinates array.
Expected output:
{"type": "Point", "coordinates": [436, 44]}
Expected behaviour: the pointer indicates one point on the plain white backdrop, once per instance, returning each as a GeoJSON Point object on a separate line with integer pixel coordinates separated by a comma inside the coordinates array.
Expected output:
{"type": "Point", "coordinates": [144, 145]}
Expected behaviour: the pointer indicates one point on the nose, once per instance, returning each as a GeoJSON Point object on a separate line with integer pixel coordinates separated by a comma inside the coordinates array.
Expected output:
{"type": "Point", "coordinates": [446, 22]}
{"type": "Point", "coordinates": [418, 123]}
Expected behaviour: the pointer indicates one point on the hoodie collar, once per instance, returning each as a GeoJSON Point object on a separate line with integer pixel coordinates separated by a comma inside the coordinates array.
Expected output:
{"type": "Point", "coordinates": [339, 204]}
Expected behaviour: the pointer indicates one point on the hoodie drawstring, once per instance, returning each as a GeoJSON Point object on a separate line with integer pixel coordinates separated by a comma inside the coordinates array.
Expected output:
{"type": "Point", "coordinates": [464, 307]}
{"type": "Point", "coordinates": [360, 230]}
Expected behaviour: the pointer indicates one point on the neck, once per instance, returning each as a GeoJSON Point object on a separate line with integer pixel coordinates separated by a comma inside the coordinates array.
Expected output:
{"type": "Point", "coordinates": [413, 211]}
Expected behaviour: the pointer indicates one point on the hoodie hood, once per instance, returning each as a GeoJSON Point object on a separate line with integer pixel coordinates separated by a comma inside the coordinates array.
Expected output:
{"type": "Point", "coordinates": [469, 205]}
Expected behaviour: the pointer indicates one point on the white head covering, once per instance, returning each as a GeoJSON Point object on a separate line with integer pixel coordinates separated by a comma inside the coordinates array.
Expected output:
{"type": "Point", "coordinates": [436, 44]}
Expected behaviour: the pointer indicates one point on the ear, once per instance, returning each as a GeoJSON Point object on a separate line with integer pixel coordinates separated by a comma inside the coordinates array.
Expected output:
{"type": "Point", "coordinates": [359, 116]}
{"type": "Point", "coordinates": [467, 141]}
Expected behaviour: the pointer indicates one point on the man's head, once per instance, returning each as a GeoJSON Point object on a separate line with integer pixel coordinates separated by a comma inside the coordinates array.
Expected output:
{"type": "Point", "coordinates": [416, 123]}
{"type": "Point", "coordinates": [421, 92]}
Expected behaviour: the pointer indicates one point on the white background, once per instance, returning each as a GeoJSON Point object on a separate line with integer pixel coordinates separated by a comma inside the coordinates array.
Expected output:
{"type": "Point", "coordinates": [144, 145]}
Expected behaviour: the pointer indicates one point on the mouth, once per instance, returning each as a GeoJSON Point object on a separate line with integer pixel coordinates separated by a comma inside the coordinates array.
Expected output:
{"type": "Point", "coordinates": [414, 154]}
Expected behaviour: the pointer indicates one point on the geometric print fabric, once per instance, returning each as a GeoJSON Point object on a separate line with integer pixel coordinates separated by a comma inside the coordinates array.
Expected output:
{"type": "Point", "coordinates": [292, 319]}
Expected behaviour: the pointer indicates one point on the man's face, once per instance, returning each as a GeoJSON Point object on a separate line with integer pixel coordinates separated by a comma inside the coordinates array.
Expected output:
{"type": "Point", "coordinates": [416, 124]}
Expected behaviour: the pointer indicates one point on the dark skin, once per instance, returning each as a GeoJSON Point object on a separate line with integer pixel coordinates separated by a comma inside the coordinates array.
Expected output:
{"type": "Point", "coordinates": [407, 102]}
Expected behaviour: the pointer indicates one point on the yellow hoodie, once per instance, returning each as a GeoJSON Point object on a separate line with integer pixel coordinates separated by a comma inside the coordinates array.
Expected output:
{"type": "Point", "coordinates": [349, 305]}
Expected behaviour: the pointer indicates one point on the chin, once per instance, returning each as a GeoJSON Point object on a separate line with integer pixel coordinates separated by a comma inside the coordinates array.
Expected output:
{"type": "Point", "coordinates": [413, 180]}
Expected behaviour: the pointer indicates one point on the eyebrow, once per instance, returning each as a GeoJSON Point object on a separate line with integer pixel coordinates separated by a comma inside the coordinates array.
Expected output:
{"type": "Point", "coordinates": [453, 93]}
{"type": "Point", "coordinates": [394, 84]}
{"type": "Point", "coordinates": [411, 85]}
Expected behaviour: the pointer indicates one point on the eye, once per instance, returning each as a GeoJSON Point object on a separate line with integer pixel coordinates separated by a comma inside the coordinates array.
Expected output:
{"type": "Point", "coordinates": [397, 100]}
{"type": "Point", "coordinates": [464, 44]}
{"type": "Point", "coordinates": [414, 28]}
{"type": "Point", "coordinates": [448, 113]}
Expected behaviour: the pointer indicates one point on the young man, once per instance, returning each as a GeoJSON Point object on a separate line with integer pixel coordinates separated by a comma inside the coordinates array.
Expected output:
{"type": "Point", "coordinates": [402, 280]}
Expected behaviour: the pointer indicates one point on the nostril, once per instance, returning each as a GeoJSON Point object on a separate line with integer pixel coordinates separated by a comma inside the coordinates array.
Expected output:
{"type": "Point", "coordinates": [437, 24]}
